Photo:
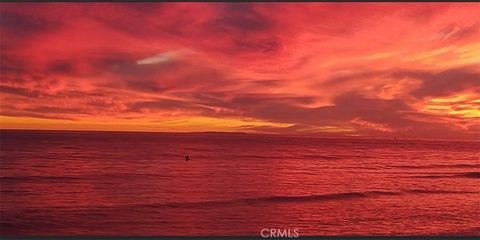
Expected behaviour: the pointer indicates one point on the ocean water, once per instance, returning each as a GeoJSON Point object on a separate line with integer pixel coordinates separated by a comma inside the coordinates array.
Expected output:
{"type": "Point", "coordinates": [104, 183]}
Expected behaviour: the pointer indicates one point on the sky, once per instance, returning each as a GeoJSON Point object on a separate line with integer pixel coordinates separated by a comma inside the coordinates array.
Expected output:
{"type": "Point", "coordinates": [406, 70]}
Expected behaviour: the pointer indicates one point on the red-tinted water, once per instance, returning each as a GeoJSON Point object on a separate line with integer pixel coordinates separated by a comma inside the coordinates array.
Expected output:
{"type": "Point", "coordinates": [92, 183]}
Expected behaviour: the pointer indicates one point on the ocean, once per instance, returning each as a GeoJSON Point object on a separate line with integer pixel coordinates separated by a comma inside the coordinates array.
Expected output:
{"type": "Point", "coordinates": [119, 183]}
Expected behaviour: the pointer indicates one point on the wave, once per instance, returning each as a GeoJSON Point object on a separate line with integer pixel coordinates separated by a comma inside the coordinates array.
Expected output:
{"type": "Point", "coordinates": [426, 191]}
{"type": "Point", "coordinates": [302, 198]}
{"type": "Point", "coordinates": [40, 178]}
{"type": "Point", "coordinates": [322, 157]}
{"type": "Point", "coordinates": [470, 175]}
{"type": "Point", "coordinates": [266, 200]}
{"type": "Point", "coordinates": [305, 198]}
{"type": "Point", "coordinates": [460, 175]}
{"type": "Point", "coordinates": [438, 166]}
{"type": "Point", "coordinates": [107, 176]}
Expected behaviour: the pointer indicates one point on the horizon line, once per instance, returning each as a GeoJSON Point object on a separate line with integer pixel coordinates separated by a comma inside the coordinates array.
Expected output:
{"type": "Point", "coordinates": [241, 133]}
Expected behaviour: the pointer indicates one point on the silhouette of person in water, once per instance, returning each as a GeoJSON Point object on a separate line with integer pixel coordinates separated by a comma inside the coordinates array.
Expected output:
{"type": "Point", "coordinates": [187, 157]}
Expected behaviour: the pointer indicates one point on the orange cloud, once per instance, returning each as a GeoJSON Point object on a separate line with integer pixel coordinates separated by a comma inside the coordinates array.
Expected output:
{"type": "Point", "coordinates": [359, 69]}
{"type": "Point", "coordinates": [371, 125]}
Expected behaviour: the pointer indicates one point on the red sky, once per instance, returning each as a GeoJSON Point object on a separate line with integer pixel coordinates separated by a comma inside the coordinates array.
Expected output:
{"type": "Point", "coordinates": [409, 70]}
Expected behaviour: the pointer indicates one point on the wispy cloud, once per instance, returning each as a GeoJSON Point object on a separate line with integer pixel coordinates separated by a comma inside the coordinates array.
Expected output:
{"type": "Point", "coordinates": [160, 58]}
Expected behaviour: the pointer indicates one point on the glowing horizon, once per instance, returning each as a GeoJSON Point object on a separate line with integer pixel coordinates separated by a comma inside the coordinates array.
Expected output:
{"type": "Point", "coordinates": [409, 70]}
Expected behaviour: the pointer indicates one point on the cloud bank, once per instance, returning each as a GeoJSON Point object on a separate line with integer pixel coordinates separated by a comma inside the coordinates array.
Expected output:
{"type": "Point", "coordinates": [354, 69]}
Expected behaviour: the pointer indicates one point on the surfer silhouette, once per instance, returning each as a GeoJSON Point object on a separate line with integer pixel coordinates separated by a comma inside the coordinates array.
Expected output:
{"type": "Point", "coordinates": [187, 157]}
